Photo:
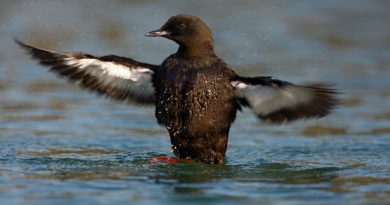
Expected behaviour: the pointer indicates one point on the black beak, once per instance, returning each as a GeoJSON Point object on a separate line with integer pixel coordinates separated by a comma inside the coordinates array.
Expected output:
{"type": "Point", "coordinates": [157, 33]}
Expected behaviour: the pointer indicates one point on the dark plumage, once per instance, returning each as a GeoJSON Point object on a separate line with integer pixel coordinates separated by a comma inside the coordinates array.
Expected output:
{"type": "Point", "coordinates": [195, 93]}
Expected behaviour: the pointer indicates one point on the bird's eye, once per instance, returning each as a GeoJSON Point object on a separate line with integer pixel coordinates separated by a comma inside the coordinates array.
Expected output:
{"type": "Point", "coordinates": [182, 26]}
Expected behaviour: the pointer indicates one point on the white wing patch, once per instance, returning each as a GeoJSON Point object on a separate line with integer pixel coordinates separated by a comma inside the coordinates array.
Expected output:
{"type": "Point", "coordinates": [268, 99]}
{"type": "Point", "coordinates": [107, 68]}
{"type": "Point", "coordinates": [116, 78]}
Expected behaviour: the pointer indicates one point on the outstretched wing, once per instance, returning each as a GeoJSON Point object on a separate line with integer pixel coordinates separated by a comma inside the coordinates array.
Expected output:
{"type": "Point", "coordinates": [112, 76]}
{"type": "Point", "coordinates": [278, 101]}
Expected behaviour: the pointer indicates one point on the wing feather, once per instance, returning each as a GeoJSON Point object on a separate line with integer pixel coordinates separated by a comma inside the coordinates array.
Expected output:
{"type": "Point", "coordinates": [279, 101]}
{"type": "Point", "coordinates": [115, 77]}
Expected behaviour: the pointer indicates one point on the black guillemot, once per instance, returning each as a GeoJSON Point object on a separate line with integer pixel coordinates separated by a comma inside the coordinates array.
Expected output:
{"type": "Point", "coordinates": [196, 94]}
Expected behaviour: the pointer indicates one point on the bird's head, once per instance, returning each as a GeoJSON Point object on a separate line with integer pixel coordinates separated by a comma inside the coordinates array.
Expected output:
{"type": "Point", "coordinates": [186, 30]}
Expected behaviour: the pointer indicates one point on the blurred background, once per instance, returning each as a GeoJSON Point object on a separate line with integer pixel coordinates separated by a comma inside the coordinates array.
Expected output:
{"type": "Point", "coordinates": [60, 144]}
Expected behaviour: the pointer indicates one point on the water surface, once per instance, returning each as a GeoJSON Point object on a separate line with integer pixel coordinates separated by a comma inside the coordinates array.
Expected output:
{"type": "Point", "coordinates": [62, 145]}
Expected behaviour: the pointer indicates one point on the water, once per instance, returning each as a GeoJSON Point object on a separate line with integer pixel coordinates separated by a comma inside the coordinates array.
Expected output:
{"type": "Point", "coordinates": [62, 145]}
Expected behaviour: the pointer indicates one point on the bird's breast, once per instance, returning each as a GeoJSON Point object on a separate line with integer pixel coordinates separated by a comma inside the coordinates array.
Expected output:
{"type": "Point", "coordinates": [194, 99]}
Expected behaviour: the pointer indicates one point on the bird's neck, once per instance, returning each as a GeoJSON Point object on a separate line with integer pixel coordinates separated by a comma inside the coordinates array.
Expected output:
{"type": "Point", "coordinates": [201, 50]}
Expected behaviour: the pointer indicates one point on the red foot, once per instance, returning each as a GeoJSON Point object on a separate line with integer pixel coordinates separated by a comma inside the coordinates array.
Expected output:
{"type": "Point", "coordinates": [169, 160]}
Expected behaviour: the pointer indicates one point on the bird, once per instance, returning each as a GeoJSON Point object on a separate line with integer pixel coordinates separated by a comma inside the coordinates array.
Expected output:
{"type": "Point", "coordinates": [195, 93]}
